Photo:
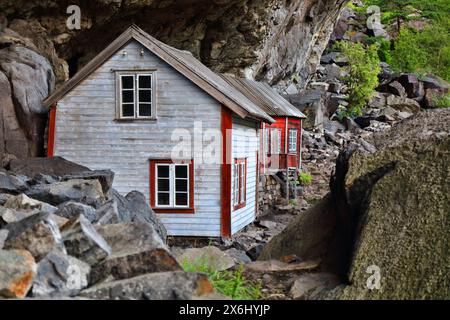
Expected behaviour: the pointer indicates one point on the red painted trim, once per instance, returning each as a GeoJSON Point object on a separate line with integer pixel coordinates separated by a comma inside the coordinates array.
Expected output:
{"type": "Point", "coordinates": [227, 126]}
{"type": "Point", "coordinates": [51, 132]}
{"type": "Point", "coordinates": [152, 166]}
{"type": "Point", "coordinates": [257, 185]}
{"type": "Point", "coordinates": [242, 202]}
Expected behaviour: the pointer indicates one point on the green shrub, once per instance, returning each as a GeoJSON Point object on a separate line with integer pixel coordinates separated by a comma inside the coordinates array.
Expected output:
{"type": "Point", "coordinates": [384, 48]}
{"type": "Point", "coordinates": [424, 52]}
{"type": "Point", "coordinates": [230, 283]}
{"type": "Point", "coordinates": [433, 9]}
{"type": "Point", "coordinates": [364, 67]}
{"type": "Point", "coordinates": [442, 101]}
{"type": "Point", "coordinates": [304, 178]}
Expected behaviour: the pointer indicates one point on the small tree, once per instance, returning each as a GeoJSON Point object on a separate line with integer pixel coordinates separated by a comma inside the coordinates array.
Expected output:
{"type": "Point", "coordinates": [364, 67]}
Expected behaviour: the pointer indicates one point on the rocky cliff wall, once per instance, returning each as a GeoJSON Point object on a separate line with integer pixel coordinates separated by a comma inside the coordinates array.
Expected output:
{"type": "Point", "coordinates": [269, 40]}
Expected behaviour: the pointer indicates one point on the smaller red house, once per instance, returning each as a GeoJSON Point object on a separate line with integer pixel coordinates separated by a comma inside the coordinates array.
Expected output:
{"type": "Point", "coordinates": [280, 142]}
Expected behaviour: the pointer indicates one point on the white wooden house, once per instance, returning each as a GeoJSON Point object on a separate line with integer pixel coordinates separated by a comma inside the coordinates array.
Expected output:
{"type": "Point", "coordinates": [127, 109]}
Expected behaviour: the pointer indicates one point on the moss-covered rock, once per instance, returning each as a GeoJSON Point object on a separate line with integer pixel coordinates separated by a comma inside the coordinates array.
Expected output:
{"type": "Point", "coordinates": [391, 209]}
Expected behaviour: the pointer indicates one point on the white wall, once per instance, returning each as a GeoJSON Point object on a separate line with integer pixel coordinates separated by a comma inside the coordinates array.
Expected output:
{"type": "Point", "coordinates": [245, 145]}
{"type": "Point", "coordinates": [87, 133]}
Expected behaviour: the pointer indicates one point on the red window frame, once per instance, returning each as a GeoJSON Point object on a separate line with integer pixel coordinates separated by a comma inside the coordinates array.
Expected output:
{"type": "Point", "coordinates": [242, 184]}
{"type": "Point", "coordinates": [191, 207]}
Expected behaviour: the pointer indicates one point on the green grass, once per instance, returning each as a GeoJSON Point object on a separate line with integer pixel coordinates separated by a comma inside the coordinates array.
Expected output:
{"type": "Point", "coordinates": [304, 178]}
{"type": "Point", "coordinates": [443, 101]}
{"type": "Point", "coordinates": [230, 283]}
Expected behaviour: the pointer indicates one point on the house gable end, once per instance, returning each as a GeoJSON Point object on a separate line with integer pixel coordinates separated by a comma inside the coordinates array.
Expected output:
{"type": "Point", "coordinates": [177, 59]}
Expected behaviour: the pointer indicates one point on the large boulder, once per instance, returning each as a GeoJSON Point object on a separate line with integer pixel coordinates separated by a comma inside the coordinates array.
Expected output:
{"type": "Point", "coordinates": [53, 166]}
{"type": "Point", "coordinates": [134, 207]}
{"type": "Point", "coordinates": [105, 177]}
{"type": "Point", "coordinates": [72, 209]}
{"type": "Point", "coordinates": [211, 256]}
{"type": "Point", "coordinates": [17, 271]}
{"type": "Point", "coordinates": [12, 184]}
{"type": "Point", "coordinates": [136, 249]}
{"type": "Point", "coordinates": [38, 233]}
{"type": "Point", "coordinates": [84, 242]}
{"type": "Point", "coordinates": [60, 275]}
{"type": "Point", "coordinates": [154, 286]}
{"type": "Point", "coordinates": [89, 192]}
{"type": "Point", "coordinates": [31, 79]}
{"type": "Point", "coordinates": [388, 210]}
{"type": "Point", "coordinates": [23, 202]}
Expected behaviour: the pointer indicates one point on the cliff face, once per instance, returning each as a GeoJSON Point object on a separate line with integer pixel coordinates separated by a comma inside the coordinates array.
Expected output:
{"type": "Point", "coordinates": [267, 39]}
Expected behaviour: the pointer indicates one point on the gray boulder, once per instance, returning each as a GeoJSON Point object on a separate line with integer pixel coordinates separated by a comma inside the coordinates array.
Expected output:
{"type": "Point", "coordinates": [105, 177]}
{"type": "Point", "coordinates": [53, 166]}
{"type": "Point", "coordinates": [413, 86]}
{"type": "Point", "coordinates": [108, 213]}
{"type": "Point", "coordinates": [38, 233]}
{"type": "Point", "coordinates": [72, 209]}
{"type": "Point", "coordinates": [396, 88]}
{"type": "Point", "coordinates": [12, 183]}
{"type": "Point", "coordinates": [23, 202]}
{"type": "Point", "coordinates": [402, 103]}
{"type": "Point", "coordinates": [154, 286]}
{"type": "Point", "coordinates": [60, 275]}
{"type": "Point", "coordinates": [84, 242]}
{"type": "Point", "coordinates": [85, 191]}
{"type": "Point", "coordinates": [212, 256]}
{"type": "Point", "coordinates": [136, 249]}
{"type": "Point", "coordinates": [134, 207]}
{"type": "Point", "coordinates": [309, 285]}
{"type": "Point", "coordinates": [31, 79]}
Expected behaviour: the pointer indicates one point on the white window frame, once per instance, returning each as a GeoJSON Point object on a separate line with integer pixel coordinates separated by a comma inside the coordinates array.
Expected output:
{"type": "Point", "coordinates": [293, 140]}
{"type": "Point", "coordinates": [121, 92]}
{"type": "Point", "coordinates": [275, 141]}
{"type": "Point", "coordinates": [172, 185]}
{"type": "Point", "coordinates": [136, 89]}
{"type": "Point", "coordinates": [266, 141]}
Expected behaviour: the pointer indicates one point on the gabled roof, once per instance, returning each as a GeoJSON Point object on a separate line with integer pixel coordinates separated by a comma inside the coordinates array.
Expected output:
{"type": "Point", "coordinates": [265, 97]}
{"type": "Point", "coordinates": [182, 61]}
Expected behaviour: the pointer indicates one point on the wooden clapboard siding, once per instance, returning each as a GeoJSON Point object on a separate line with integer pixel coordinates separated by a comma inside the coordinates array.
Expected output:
{"type": "Point", "coordinates": [245, 145]}
{"type": "Point", "coordinates": [87, 133]}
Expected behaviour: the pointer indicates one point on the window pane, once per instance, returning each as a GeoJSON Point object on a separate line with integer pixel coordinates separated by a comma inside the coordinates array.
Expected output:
{"type": "Point", "coordinates": [181, 185]}
{"type": "Point", "coordinates": [163, 198]}
{"type": "Point", "coordinates": [128, 110]}
{"type": "Point", "coordinates": [181, 171]}
{"type": "Point", "coordinates": [181, 199]}
{"type": "Point", "coordinates": [145, 96]}
{"type": "Point", "coordinates": [145, 110]}
{"type": "Point", "coordinates": [127, 96]}
{"type": "Point", "coordinates": [163, 171]}
{"type": "Point", "coordinates": [145, 81]}
{"type": "Point", "coordinates": [163, 184]}
{"type": "Point", "coordinates": [127, 82]}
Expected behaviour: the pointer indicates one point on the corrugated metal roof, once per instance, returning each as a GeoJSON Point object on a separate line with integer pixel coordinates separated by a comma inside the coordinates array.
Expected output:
{"type": "Point", "coordinates": [264, 96]}
{"type": "Point", "coordinates": [182, 61]}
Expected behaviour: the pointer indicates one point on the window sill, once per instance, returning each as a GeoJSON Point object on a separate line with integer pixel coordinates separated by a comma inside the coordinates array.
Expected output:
{"type": "Point", "coordinates": [239, 206]}
{"type": "Point", "coordinates": [136, 119]}
{"type": "Point", "coordinates": [174, 210]}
